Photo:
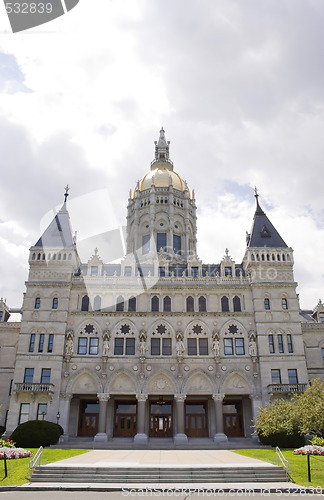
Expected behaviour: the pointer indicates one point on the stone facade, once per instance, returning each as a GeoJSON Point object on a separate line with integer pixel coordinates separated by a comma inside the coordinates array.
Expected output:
{"type": "Point", "coordinates": [160, 345]}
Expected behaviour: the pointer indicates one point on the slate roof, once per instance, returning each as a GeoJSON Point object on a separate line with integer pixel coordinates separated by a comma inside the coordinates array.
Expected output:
{"type": "Point", "coordinates": [263, 233]}
{"type": "Point", "coordinates": [59, 233]}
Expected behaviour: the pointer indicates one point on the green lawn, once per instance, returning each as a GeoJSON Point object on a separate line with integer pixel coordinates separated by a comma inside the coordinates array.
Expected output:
{"type": "Point", "coordinates": [18, 469]}
{"type": "Point", "coordinates": [297, 465]}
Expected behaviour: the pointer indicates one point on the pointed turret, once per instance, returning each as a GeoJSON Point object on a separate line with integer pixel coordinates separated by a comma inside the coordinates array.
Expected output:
{"type": "Point", "coordinates": [58, 234]}
{"type": "Point", "coordinates": [263, 233]}
{"type": "Point", "coordinates": [161, 150]}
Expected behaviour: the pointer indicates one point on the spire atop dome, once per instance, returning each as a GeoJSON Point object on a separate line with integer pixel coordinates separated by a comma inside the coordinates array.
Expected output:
{"type": "Point", "coordinates": [161, 150]}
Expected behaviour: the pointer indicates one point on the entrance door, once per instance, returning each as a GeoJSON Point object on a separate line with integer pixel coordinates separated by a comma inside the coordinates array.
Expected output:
{"type": "Point", "coordinates": [196, 420]}
{"type": "Point", "coordinates": [233, 419]}
{"type": "Point", "coordinates": [125, 419]}
{"type": "Point", "coordinates": [161, 419]}
{"type": "Point", "coordinates": [88, 418]}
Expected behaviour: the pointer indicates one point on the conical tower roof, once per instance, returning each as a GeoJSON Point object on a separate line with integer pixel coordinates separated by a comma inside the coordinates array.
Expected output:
{"type": "Point", "coordinates": [263, 233]}
{"type": "Point", "coordinates": [59, 232]}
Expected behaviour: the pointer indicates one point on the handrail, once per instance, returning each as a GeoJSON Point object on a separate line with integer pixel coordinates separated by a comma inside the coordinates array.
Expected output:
{"type": "Point", "coordinates": [282, 459]}
{"type": "Point", "coordinates": [36, 458]}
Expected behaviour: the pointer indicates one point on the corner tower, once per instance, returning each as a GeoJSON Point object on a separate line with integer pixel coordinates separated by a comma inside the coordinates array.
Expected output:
{"type": "Point", "coordinates": [161, 213]}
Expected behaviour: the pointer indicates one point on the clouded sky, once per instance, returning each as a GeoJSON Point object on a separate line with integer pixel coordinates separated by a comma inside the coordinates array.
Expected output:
{"type": "Point", "coordinates": [238, 86]}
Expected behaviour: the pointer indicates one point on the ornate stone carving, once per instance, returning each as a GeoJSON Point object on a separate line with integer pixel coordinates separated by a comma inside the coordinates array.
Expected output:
{"type": "Point", "coordinates": [102, 396]}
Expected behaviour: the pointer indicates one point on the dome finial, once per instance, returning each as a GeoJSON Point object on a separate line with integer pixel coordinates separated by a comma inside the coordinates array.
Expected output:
{"type": "Point", "coordinates": [162, 147]}
{"type": "Point", "coordinates": [66, 194]}
{"type": "Point", "coordinates": [256, 195]}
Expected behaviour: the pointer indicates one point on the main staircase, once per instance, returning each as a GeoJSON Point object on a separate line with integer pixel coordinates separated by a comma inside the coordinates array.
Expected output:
{"type": "Point", "coordinates": [157, 475]}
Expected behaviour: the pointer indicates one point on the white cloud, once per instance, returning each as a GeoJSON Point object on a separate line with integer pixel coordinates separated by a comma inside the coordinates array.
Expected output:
{"type": "Point", "coordinates": [237, 85]}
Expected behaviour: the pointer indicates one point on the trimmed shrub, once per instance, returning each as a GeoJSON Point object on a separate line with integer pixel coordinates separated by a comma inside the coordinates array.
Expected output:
{"type": "Point", "coordinates": [35, 433]}
{"type": "Point", "coordinates": [283, 440]}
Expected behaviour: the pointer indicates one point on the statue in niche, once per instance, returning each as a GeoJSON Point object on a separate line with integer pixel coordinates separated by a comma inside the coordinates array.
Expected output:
{"type": "Point", "coordinates": [143, 344]}
{"type": "Point", "coordinates": [252, 344]}
{"type": "Point", "coordinates": [105, 344]}
{"type": "Point", "coordinates": [180, 347]}
{"type": "Point", "coordinates": [69, 345]}
{"type": "Point", "coordinates": [216, 344]}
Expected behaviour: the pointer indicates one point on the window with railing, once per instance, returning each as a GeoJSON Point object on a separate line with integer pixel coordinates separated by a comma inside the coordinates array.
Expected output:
{"type": "Point", "coordinates": [29, 375]}
{"type": "Point", "coordinates": [292, 376]}
{"type": "Point", "coordinates": [275, 376]}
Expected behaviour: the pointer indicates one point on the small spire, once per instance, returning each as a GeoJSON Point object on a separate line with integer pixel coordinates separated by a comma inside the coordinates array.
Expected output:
{"type": "Point", "coordinates": [256, 195]}
{"type": "Point", "coordinates": [162, 147]}
{"type": "Point", "coordinates": [66, 194]}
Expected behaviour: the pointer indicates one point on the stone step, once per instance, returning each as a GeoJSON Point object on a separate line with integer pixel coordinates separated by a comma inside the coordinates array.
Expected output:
{"type": "Point", "coordinates": [158, 475]}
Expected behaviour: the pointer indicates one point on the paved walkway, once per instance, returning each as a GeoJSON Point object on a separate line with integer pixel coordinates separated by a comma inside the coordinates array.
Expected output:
{"type": "Point", "coordinates": [160, 458]}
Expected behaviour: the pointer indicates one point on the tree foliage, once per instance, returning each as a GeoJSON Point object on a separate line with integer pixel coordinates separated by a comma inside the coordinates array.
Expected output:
{"type": "Point", "coordinates": [310, 407]}
{"type": "Point", "coordinates": [279, 416]}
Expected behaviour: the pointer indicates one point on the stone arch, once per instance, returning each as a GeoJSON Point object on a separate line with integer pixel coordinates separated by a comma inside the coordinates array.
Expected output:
{"type": "Point", "coordinates": [234, 321]}
{"type": "Point", "coordinates": [198, 382]}
{"type": "Point", "coordinates": [84, 381]}
{"type": "Point", "coordinates": [170, 329]}
{"type": "Point", "coordinates": [122, 383]}
{"type": "Point", "coordinates": [237, 383]}
{"type": "Point", "coordinates": [116, 328]}
{"type": "Point", "coordinates": [205, 329]}
{"type": "Point", "coordinates": [85, 322]}
{"type": "Point", "coordinates": [160, 383]}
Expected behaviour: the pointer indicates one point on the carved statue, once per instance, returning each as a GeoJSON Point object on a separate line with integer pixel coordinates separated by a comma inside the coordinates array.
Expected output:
{"type": "Point", "coordinates": [69, 346]}
{"type": "Point", "coordinates": [216, 344]}
{"type": "Point", "coordinates": [252, 344]}
{"type": "Point", "coordinates": [105, 344]}
{"type": "Point", "coordinates": [105, 347]}
{"type": "Point", "coordinates": [180, 347]}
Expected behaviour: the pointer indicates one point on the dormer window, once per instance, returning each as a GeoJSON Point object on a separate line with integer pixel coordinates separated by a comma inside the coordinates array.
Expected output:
{"type": "Point", "coordinates": [94, 270]}
{"type": "Point", "coordinates": [128, 271]}
{"type": "Point", "coordinates": [228, 271]}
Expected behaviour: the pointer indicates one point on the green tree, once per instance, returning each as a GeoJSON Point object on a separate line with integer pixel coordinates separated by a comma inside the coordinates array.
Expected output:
{"type": "Point", "coordinates": [277, 417]}
{"type": "Point", "coordinates": [310, 407]}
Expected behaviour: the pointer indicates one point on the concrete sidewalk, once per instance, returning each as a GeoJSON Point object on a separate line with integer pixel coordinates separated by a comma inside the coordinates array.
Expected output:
{"type": "Point", "coordinates": [160, 458]}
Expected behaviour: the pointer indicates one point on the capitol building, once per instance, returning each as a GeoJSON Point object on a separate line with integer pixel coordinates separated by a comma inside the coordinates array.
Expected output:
{"type": "Point", "coordinates": [160, 345]}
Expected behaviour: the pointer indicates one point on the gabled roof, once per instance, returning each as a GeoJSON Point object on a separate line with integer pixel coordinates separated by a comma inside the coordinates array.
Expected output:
{"type": "Point", "coordinates": [263, 233]}
{"type": "Point", "coordinates": [59, 233]}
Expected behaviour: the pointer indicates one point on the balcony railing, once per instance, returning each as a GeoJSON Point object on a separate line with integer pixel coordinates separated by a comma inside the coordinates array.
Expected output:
{"type": "Point", "coordinates": [33, 387]}
{"type": "Point", "coordinates": [286, 388]}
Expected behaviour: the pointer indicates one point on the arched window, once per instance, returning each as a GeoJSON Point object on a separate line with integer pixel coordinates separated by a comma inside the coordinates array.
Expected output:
{"type": "Point", "coordinates": [37, 303]}
{"type": "Point", "coordinates": [284, 303]}
{"type": "Point", "coordinates": [190, 304]}
{"type": "Point", "coordinates": [85, 303]}
{"type": "Point", "coordinates": [155, 306]}
{"type": "Point", "coordinates": [33, 256]}
{"type": "Point", "coordinates": [202, 304]}
{"type": "Point", "coordinates": [225, 304]}
{"type": "Point", "coordinates": [38, 256]}
{"type": "Point", "coordinates": [237, 304]}
{"type": "Point", "coordinates": [120, 304]}
{"type": "Point", "coordinates": [64, 256]}
{"type": "Point", "coordinates": [132, 304]}
{"type": "Point", "coordinates": [55, 303]}
{"type": "Point", "coordinates": [97, 303]}
{"type": "Point", "coordinates": [167, 304]}
{"type": "Point", "coordinates": [267, 304]}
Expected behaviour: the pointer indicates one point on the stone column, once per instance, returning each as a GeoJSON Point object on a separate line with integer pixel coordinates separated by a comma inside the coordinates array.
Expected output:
{"type": "Point", "coordinates": [180, 436]}
{"type": "Point", "coordinates": [219, 437]}
{"type": "Point", "coordinates": [141, 438]}
{"type": "Point", "coordinates": [65, 401]}
{"type": "Point", "coordinates": [102, 434]}
{"type": "Point", "coordinates": [256, 403]}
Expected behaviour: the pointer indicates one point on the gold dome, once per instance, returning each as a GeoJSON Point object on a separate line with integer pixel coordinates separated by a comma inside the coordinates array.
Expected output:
{"type": "Point", "coordinates": [162, 177]}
